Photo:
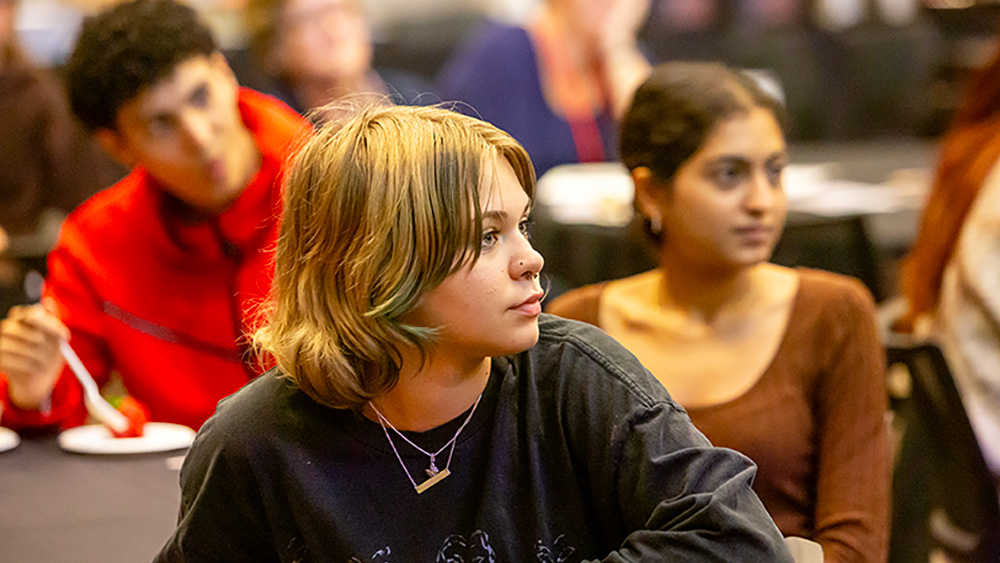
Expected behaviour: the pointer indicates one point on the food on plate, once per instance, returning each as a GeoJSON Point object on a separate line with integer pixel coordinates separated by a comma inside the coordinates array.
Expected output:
{"type": "Point", "coordinates": [136, 413]}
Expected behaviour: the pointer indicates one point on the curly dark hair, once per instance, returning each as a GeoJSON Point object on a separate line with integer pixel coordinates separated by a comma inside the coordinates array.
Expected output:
{"type": "Point", "coordinates": [678, 106]}
{"type": "Point", "coordinates": [127, 48]}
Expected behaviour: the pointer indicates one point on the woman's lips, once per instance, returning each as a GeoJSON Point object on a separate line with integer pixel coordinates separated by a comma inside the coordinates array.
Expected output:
{"type": "Point", "coordinates": [755, 234]}
{"type": "Point", "coordinates": [531, 306]}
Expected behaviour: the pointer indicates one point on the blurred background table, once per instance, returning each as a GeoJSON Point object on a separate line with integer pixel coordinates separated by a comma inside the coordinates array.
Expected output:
{"type": "Point", "coordinates": [859, 219]}
{"type": "Point", "coordinates": [61, 507]}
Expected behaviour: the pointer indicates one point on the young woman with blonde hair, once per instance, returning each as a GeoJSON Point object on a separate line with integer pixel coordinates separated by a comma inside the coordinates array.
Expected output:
{"type": "Point", "coordinates": [422, 409]}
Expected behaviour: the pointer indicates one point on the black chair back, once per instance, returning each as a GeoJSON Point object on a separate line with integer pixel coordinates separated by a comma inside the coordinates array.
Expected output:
{"type": "Point", "coordinates": [944, 497]}
{"type": "Point", "coordinates": [835, 244]}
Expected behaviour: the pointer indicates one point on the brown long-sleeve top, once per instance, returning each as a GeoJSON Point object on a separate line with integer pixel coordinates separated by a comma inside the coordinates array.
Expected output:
{"type": "Point", "coordinates": [815, 420]}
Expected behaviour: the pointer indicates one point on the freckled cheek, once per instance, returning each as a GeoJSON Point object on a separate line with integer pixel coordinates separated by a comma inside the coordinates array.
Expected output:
{"type": "Point", "coordinates": [491, 292]}
{"type": "Point", "coordinates": [491, 285]}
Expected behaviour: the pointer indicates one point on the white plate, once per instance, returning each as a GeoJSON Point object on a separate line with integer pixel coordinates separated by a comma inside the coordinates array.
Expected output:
{"type": "Point", "coordinates": [8, 439]}
{"type": "Point", "coordinates": [97, 439]}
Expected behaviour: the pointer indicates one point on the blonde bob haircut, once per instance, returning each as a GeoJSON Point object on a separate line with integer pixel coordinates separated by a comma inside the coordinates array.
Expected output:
{"type": "Point", "coordinates": [378, 211]}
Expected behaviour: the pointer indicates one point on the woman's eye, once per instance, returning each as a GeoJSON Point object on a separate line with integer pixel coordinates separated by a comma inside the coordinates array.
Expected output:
{"type": "Point", "coordinates": [727, 176]}
{"type": "Point", "coordinates": [489, 238]}
{"type": "Point", "coordinates": [524, 227]}
{"type": "Point", "coordinates": [774, 173]}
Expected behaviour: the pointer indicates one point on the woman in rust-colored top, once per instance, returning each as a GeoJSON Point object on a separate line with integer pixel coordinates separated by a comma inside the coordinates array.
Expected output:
{"type": "Point", "coordinates": [782, 365]}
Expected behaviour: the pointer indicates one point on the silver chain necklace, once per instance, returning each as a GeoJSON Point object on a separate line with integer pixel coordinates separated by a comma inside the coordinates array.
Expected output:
{"type": "Point", "coordinates": [435, 475]}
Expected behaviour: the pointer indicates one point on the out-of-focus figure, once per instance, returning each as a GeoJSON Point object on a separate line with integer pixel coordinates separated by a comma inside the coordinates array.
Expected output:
{"type": "Point", "coordinates": [951, 277]}
{"type": "Point", "coordinates": [157, 276]}
{"type": "Point", "coordinates": [48, 164]}
{"type": "Point", "coordinates": [558, 84]}
{"type": "Point", "coordinates": [314, 52]}
{"type": "Point", "coordinates": [784, 365]}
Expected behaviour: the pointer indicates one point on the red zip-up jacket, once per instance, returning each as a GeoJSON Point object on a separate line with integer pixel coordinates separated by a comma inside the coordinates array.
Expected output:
{"type": "Point", "coordinates": [164, 300]}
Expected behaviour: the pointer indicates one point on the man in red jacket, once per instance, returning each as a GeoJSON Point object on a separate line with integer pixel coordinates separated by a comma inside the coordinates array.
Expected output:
{"type": "Point", "coordinates": [157, 277]}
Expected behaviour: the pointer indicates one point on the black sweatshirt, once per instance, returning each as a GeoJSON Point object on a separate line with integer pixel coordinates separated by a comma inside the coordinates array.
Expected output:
{"type": "Point", "coordinates": [574, 453]}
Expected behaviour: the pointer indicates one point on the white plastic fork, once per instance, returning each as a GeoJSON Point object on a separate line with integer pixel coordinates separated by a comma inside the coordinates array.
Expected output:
{"type": "Point", "coordinates": [92, 399]}
{"type": "Point", "coordinates": [96, 404]}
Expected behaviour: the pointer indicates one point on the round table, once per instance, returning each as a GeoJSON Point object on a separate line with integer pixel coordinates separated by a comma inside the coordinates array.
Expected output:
{"type": "Point", "coordinates": [57, 506]}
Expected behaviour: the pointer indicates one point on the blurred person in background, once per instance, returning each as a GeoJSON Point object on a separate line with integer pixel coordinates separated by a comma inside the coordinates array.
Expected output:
{"type": "Point", "coordinates": [558, 84]}
{"type": "Point", "coordinates": [950, 279]}
{"type": "Point", "coordinates": [782, 365]}
{"type": "Point", "coordinates": [314, 52]}
{"type": "Point", "coordinates": [48, 164]}
{"type": "Point", "coordinates": [156, 277]}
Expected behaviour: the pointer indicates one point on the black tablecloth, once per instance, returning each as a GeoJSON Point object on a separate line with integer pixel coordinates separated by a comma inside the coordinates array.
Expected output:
{"type": "Point", "coordinates": [61, 507]}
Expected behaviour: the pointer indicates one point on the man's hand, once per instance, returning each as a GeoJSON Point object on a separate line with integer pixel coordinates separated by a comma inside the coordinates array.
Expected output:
{"type": "Point", "coordinates": [29, 354]}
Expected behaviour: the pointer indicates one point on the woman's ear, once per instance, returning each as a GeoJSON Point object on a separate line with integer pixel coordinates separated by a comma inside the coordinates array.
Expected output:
{"type": "Point", "coordinates": [648, 193]}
